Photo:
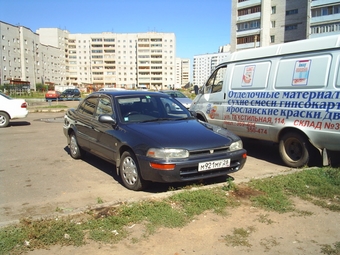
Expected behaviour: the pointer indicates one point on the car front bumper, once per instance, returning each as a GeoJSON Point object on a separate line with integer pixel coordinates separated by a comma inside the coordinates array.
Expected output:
{"type": "Point", "coordinates": [187, 170]}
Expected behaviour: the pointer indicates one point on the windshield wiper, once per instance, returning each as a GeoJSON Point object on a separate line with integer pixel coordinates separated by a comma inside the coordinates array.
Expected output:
{"type": "Point", "coordinates": [157, 119]}
{"type": "Point", "coordinates": [185, 118]}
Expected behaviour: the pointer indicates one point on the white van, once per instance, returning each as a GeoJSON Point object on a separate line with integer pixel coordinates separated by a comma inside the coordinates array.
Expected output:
{"type": "Point", "coordinates": [287, 93]}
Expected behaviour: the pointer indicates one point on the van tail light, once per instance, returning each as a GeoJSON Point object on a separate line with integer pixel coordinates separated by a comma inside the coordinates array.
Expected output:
{"type": "Point", "coordinates": [24, 105]}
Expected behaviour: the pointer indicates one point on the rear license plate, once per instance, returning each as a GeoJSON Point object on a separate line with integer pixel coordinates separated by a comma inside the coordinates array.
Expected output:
{"type": "Point", "coordinates": [204, 166]}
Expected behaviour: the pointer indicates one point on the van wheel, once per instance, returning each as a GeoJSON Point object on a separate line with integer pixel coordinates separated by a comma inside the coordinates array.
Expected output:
{"type": "Point", "coordinates": [129, 172]}
{"type": "Point", "coordinates": [295, 149]}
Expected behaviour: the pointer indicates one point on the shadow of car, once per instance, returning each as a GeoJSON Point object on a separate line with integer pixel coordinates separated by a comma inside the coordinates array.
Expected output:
{"type": "Point", "coordinates": [134, 131]}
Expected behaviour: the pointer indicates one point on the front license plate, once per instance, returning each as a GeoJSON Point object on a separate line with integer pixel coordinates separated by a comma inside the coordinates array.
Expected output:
{"type": "Point", "coordinates": [204, 166]}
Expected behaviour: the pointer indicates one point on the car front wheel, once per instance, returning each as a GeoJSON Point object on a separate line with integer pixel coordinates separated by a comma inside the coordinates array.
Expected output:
{"type": "Point", "coordinates": [129, 172]}
{"type": "Point", "coordinates": [4, 119]}
{"type": "Point", "coordinates": [75, 150]}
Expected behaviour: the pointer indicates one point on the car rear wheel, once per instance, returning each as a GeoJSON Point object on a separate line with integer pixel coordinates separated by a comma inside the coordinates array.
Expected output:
{"type": "Point", "coordinates": [129, 172]}
{"type": "Point", "coordinates": [4, 119]}
{"type": "Point", "coordinates": [75, 150]}
{"type": "Point", "coordinates": [295, 150]}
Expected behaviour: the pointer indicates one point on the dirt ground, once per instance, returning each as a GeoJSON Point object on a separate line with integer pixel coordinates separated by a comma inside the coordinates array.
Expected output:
{"type": "Point", "coordinates": [304, 231]}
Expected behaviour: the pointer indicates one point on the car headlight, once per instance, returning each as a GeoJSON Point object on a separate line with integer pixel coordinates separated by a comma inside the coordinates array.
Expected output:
{"type": "Point", "coordinates": [167, 153]}
{"type": "Point", "coordinates": [236, 146]}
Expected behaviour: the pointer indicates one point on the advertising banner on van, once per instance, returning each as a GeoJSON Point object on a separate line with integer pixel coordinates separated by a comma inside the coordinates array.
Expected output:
{"type": "Point", "coordinates": [301, 72]}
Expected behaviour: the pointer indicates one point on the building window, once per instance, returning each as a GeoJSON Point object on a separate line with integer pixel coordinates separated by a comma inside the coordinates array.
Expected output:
{"type": "Point", "coordinates": [249, 10]}
{"type": "Point", "coordinates": [273, 23]}
{"type": "Point", "coordinates": [323, 11]}
{"type": "Point", "coordinates": [326, 28]}
{"type": "Point", "coordinates": [290, 12]}
{"type": "Point", "coordinates": [291, 27]}
{"type": "Point", "coordinates": [248, 25]}
{"type": "Point", "coordinates": [248, 39]}
{"type": "Point", "coordinates": [272, 38]}
{"type": "Point", "coordinates": [273, 9]}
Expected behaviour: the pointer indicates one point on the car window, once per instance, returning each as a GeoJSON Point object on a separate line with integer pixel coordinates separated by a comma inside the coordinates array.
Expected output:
{"type": "Point", "coordinates": [104, 106]}
{"type": "Point", "coordinates": [215, 82]}
{"type": "Point", "coordinates": [148, 108]}
{"type": "Point", "coordinates": [88, 106]}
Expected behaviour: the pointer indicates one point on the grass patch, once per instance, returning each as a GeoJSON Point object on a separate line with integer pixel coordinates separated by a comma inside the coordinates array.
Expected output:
{"type": "Point", "coordinates": [329, 250]}
{"type": "Point", "coordinates": [239, 237]}
{"type": "Point", "coordinates": [55, 106]}
{"type": "Point", "coordinates": [320, 186]}
{"type": "Point", "coordinates": [111, 224]}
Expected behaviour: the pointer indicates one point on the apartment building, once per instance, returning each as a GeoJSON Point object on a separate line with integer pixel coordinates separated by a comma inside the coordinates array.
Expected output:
{"type": "Point", "coordinates": [121, 60]}
{"type": "Point", "coordinates": [324, 18]}
{"type": "Point", "coordinates": [24, 60]}
{"type": "Point", "coordinates": [19, 55]}
{"type": "Point", "coordinates": [54, 56]}
{"type": "Point", "coordinates": [259, 23]}
{"type": "Point", "coordinates": [205, 64]}
{"type": "Point", "coordinates": [182, 72]}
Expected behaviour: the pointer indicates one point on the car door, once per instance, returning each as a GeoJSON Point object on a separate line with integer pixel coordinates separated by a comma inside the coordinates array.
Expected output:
{"type": "Point", "coordinates": [86, 134]}
{"type": "Point", "coordinates": [106, 142]}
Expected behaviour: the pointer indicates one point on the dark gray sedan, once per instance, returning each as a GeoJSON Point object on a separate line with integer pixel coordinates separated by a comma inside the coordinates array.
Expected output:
{"type": "Point", "coordinates": [149, 143]}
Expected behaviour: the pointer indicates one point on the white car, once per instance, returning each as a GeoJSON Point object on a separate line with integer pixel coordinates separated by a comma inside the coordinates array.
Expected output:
{"type": "Point", "coordinates": [11, 108]}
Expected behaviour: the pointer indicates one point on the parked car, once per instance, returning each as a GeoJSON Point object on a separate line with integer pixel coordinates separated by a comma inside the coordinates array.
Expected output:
{"type": "Point", "coordinates": [179, 96]}
{"type": "Point", "coordinates": [110, 89]}
{"type": "Point", "coordinates": [70, 94]}
{"type": "Point", "coordinates": [133, 130]}
{"type": "Point", "coordinates": [10, 109]}
{"type": "Point", "coordinates": [52, 95]}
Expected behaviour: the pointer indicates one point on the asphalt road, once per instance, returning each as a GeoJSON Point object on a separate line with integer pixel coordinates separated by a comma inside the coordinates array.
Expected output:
{"type": "Point", "coordinates": [38, 177]}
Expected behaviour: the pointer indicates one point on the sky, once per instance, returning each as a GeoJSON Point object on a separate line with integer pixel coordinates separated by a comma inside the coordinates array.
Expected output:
{"type": "Point", "coordinates": [200, 26]}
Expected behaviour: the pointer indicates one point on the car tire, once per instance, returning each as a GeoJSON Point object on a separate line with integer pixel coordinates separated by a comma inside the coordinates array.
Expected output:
{"type": "Point", "coordinates": [129, 172]}
{"type": "Point", "coordinates": [295, 150]}
{"type": "Point", "coordinates": [75, 150]}
{"type": "Point", "coordinates": [4, 119]}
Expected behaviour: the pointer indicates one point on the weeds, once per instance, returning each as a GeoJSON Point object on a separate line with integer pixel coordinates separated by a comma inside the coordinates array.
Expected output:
{"type": "Point", "coordinates": [327, 249]}
{"type": "Point", "coordinates": [239, 237]}
{"type": "Point", "coordinates": [263, 218]}
{"type": "Point", "coordinates": [320, 186]}
{"type": "Point", "coordinates": [110, 224]}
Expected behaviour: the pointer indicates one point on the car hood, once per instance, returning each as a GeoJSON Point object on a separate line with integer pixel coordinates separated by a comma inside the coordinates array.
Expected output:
{"type": "Point", "coordinates": [189, 134]}
{"type": "Point", "coordinates": [184, 101]}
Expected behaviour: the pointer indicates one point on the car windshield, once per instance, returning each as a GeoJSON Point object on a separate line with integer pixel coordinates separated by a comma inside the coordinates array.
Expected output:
{"type": "Point", "coordinates": [147, 108]}
{"type": "Point", "coordinates": [175, 94]}
{"type": "Point", "coordinates": [5, 96]}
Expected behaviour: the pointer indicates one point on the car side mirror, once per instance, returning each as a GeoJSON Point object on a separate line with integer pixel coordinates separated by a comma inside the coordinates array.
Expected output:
{"type": "Point", "coordinates": [106, 118]}
{"type": "Point", "coordinates": [196, 89]}
{"type": "Point", "coordinates": [194, 114]}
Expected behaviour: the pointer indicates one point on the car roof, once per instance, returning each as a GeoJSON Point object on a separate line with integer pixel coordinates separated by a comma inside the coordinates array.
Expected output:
{"type": "Point", "coordinates": [128, 93]}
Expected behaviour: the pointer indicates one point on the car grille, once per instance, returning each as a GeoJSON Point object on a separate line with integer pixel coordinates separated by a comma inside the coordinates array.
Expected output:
{"type": "Point", "coordinates": [211, 151]}
{"type": "Point", "coordinates": [191, 173]}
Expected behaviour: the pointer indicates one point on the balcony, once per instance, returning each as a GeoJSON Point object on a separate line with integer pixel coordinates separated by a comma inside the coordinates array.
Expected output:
{"type": "Point", "coordinates": [253, 16]}
{"type": "Point", "coordinates": [248, 32]}
{"type": "Point", "coordinates": [248, 3]}
{"type": "Point", "coordinates": [323, 2]}
{"type": "Point", "coordinates": [250, 45]}
{"type": "Point", "coordinates": [325, 19]}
